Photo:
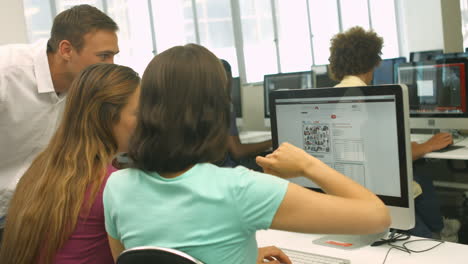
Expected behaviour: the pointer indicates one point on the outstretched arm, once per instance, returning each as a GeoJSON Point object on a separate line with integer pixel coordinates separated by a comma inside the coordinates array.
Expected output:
{"type": "Point", "coordinates": [239, 150]}
{"type": "Point", "coordinates": [345, 208]}
{"type": "Point", "coordinates": [436, 142]}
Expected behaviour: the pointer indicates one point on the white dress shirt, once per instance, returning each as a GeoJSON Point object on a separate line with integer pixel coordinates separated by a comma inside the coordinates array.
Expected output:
{"type": "Point", "coordinates": [30, 111]}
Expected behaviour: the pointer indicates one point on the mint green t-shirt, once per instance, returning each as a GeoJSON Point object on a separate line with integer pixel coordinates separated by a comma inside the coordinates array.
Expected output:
{"type": "Point", "coordinates": [211, 213]}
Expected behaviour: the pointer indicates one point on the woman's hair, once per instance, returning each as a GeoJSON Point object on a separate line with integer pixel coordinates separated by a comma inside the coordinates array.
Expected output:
{"type": "Point", "coordinates": [49, 197]}
{"type": "Point", "coordinates": [354, 52]}
{"type": "Point", "coordinates": [183, 116]}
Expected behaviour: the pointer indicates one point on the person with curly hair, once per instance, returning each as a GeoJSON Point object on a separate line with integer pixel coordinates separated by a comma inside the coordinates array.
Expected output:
{"type": "Point", "coordinates": [354, 54]}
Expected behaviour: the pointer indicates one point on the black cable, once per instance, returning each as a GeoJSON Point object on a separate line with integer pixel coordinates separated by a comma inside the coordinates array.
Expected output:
{"type": "Point", "coordinates": [402, 237]}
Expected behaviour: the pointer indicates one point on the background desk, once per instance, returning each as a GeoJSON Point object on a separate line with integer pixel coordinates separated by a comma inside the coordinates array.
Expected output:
{"type": "Point", "coordinates": [456, 154]}
{"type": "Point", "coordinates": [247, 137]}
{"type": "Point", "coordinates": [447, 253]}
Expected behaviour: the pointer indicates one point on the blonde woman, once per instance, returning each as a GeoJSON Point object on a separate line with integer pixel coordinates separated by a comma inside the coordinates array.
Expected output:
{"type": "Point", "coordinates": [56, 215]}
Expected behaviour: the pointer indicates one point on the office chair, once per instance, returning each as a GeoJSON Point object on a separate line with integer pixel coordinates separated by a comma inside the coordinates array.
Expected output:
{"type": "Point", "coordinates": [155, 255]}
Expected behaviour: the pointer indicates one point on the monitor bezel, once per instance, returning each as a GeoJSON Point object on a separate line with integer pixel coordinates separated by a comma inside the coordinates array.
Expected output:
{"type": "Point", "coordinates": [265, 90]}
{"type": "Point", "coordinates": [395, 62]}
{"type": "Point", "coordinates": [402, 130]}
{"type": "Point", "coordinates": [238, 110]}
{"type": "Point", "coordinates": [435, 52]}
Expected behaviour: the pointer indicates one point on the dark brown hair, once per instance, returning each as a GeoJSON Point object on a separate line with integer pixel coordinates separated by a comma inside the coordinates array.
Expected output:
{"type": "Point", "coordinates": [183, 117]}
{"type": "Point", "coordinates": [72, 24]}
{"type": "Point", "coordinates": [354, 52]}
{"type": "Point", "coordinates": [49, 197]}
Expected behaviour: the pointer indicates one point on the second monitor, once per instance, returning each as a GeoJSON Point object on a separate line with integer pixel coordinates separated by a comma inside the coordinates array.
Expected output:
{"type": "Point", "coordinates": [290, 80]}
{"type": "Point", "coordinates": [236, 99]}
{"type": "Point", "coordinates": [437, 93]}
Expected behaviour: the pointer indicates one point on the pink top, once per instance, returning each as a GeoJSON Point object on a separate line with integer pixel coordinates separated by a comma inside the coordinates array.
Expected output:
{"type": "Point", "coordinates": [88, 244]}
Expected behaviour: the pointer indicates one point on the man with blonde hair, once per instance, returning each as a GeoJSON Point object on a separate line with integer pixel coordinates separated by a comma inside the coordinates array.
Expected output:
{"type": "Point", "coordinates": [34, 79]}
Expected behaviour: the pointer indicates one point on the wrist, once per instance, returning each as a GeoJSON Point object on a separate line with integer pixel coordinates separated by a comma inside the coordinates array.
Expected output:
{"type": "Point", "coordinates": [428, 147]}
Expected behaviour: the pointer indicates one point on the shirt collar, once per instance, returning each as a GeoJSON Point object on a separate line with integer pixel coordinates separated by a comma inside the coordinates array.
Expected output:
{"type": "Point", "coordinates": [41, 68]}
{"type": "Point", "coordinates": [354, 80]}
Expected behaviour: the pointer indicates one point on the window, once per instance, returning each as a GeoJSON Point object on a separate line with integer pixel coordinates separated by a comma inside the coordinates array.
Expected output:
{"type": "Point", "coordinates": [259, 46]}
{"type": "Point", "coordinates": [354, 13]}
{"type": "Point", "coordinates": [173, 23]}
{"type": "Point", "coordinates": [38, 19]}
{"type": "Point", "coordinates": [294, 36]}
{"type": "Point", "coordinates": [384, 24]}
{"type": "Point", "coordinates": [135, 40]}
{"type": "Point", "coordinates": [323, 13]}
{"type": "Point", "coordinates": [216, 30]}
{"type": "Point", "coordinates": [464, 18]}
{"type": "Point", "coordinates": [65, 4]}
{"type": "Point", "coordinates": [268, 36]}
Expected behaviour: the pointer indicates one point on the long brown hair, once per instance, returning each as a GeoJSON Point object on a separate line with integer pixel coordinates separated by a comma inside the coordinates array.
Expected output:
{"type": "Point", "coordinates": [49, 197]}
{"type": "Point", "coordinates": [183, 111]}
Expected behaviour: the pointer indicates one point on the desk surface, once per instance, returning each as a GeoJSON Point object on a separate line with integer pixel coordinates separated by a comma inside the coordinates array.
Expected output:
{"type": "Point", "coordinates": [457, 154]}
{"type": "Point", "coordinates": [254, 136]}
{"type": "Point", "coordinates": [450, 253]}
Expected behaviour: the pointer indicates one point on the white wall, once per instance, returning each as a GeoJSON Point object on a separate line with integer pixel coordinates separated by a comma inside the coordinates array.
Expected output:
{"type": "Point", "coordinates": [430, 24]}
{"type": "Point", "coordinates": [423, 25]}
{"type": "Point", "coordinates": [12, 22]}
{"type": "Point", "coordinates": [252, 107]}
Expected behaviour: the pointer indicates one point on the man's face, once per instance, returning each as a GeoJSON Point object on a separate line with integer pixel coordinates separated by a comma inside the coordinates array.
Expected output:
{"type": "Point", "coordinates": [99, 47]}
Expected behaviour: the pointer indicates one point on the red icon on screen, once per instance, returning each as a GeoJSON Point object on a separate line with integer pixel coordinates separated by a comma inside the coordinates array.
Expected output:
{"type": "Point", "coordinates": [333, 116]}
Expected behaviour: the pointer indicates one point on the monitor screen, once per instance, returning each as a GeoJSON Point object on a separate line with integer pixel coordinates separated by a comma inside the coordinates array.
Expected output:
{"type": "Point", "coordinates": [426, 55]}
{"type": "Point", "coordinates": [437, 93]}
{"type": "Point", "coordinates": [344, 128]}
{"type": "Point", "coordinates": [385, 72]}
{"type": "Point", "coordinates": [322, 77]}
{"type": "Point", "coordinates": [291, 80]}
{"type": "Point", "coordinates": [236, 96]}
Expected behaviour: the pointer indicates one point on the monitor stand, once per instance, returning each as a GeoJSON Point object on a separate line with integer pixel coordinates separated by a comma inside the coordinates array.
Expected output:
{"type": "Point", "coordinates": [349, 242]}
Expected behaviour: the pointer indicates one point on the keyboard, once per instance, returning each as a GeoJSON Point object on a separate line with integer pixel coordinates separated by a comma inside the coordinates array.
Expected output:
{"type": "Point", "coordinates": [298, 257]}
{"type": "Point", "coordinates": [449, 148]}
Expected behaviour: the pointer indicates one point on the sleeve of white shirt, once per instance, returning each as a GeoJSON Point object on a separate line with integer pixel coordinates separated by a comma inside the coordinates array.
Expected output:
{"type": "Point", "coordinates": [257, 197]}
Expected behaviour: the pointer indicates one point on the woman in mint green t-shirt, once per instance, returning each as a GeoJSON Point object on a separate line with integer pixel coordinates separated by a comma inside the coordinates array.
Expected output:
{"type": "Point", "coordinates": [175, 198]}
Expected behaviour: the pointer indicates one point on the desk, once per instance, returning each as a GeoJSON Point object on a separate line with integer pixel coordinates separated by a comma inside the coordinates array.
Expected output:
{"type": "Point", "coordinates": [247, 137]}
{"type": "Point", "coordinates": [457, 154]}
{"type": "Point", "coordinates": [449, 253]}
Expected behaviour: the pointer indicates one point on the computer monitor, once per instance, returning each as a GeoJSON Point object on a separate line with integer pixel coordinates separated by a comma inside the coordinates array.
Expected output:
{"type": "Point", "coordinates": [361, 132]}
{"type": "Point", "coordinates": [385, 72]}
{"type": "Point", "coordinates": [236, 99]}
{"type": "Point", "coordinates": [437, 93]}
{"type": "Point", "coordinates": [322, 77]}
{"type": "Point", "coordinates": [290, 80]}
{"type": "Point", "coordinates": [452, 55]}
{"type": "Point", "coordinates": [427, 55]}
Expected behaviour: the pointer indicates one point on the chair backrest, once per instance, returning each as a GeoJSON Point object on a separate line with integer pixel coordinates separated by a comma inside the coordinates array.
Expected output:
{"type": "Point", "coordinates": [155, 255]}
